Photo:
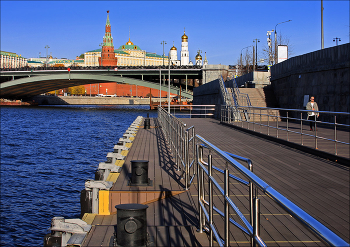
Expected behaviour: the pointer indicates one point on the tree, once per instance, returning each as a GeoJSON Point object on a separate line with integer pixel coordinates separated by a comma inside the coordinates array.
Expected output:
{"type": "Point", "coordinates": [77, 90]}
{"type": "Point", "coordinates": [281, 40]}
{"type": "Point", "coordinates": [246, 62]}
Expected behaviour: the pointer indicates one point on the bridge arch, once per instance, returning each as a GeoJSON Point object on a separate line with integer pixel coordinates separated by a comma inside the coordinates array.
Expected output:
{"type": "Point", "coordinates": [31, 86]}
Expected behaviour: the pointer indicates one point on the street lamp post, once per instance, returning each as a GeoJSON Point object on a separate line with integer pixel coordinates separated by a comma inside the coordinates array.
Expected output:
{"type": "Point", "coordinates": [169, 88]}
{"type": "Point", "coordinates": [164, 43]}
{"type": "Point", "coordinates": [269, 45]}
{"type": "Point", "coordinates": [276, 39]}
{"type": "Point", "coordinates": [336, 40]}
{"type": "Point", "coordinates": [256, 53]}
{"type": "Point", "coordinates": [47, 47]}
{"type": "Point", "coordinates": [101, 53]}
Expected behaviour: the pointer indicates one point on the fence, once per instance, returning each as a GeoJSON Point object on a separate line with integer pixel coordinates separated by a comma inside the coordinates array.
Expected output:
{"type": "Point", "coordinates": [281, 123]}
{"type": "Point", "coordinates": [189, 150]}
{"type": "Point", "coordinates": [181, 143]}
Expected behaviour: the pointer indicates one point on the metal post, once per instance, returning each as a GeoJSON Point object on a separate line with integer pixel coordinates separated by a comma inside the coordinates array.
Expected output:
{"type": "Point", "coordinates": [227, 212]}
{"type": "Point", "coordinates": [256, 222]}
{"type": "Point", "coordinates": [322, 35]}
{"type": "Point", "coordinates": [210, 168]}
{"type": "Point", "coordinates": [168, 87]}
{"type": "Point", "coordinates": [200, 188]}
{"type": "Point", "coordinates": [287, 128]}
{"type": "Point", "coordinates": [186, 160]}
{"type": "Point", "coordinates": [160, 87]}
{"type": "Point", "coordinates": [277, 125]}
{"type": "Point", "coordinates": [268, 123]}
{"type": "Point", "coordinates": [315, 133]}
{"type": "Point", "coordinates": [260, 122]}
{"type": "Point", "coordinates": [335, 135]}
{"type": "Point", "coordinates": [254, 118]}
{"type": "Point", "coordinates": [301, 128]}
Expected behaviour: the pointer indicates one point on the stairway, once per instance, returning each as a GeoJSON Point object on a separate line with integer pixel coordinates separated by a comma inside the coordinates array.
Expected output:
{"type": "Point", "coordinates": [262, 97]}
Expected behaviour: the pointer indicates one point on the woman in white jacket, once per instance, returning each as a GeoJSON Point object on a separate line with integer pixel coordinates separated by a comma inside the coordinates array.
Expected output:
{"type": "Point", "coordinates": [312, 115]}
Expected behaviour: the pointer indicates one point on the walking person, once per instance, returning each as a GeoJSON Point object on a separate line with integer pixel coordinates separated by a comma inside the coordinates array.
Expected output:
{"type": "Point", "coordinates": [312, 115]}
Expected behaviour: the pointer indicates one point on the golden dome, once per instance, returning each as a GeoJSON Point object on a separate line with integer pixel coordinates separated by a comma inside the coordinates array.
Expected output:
{"type": "Point", "coordinates": [173, 48]}
{"type": "Point", "coordinates": [198, 57]}
{"type": "Point", "coordinates": [129, 42]}
{"type": "Point", "coordinates": [184, 37]}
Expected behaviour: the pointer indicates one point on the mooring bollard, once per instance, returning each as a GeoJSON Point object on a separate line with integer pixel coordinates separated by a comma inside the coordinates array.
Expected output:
{"type": "Point", "coordinates": [147, 123]}
{"type": "Point", "coordinates": [131, 228]}
{"type": "Point", "coordinates": [139, 173]}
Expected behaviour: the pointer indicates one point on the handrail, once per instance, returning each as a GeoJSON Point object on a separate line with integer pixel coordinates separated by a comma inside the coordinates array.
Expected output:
{"type": "Point", "coordinates": [181, 141]}
{"type": "Point", "coordinates": [236, 88]}
{"type": "Point", "coordinates": [274, 121]}
{"type": "Point", "coordinates": [253, 229]}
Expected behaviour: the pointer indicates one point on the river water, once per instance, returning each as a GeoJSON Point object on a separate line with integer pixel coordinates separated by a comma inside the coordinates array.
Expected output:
{"type": "Point", "coordinates": [47, 154]}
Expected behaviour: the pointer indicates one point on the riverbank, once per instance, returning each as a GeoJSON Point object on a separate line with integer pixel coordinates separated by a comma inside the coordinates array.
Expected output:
{"type": "Point", "coordinates": [87, 100]}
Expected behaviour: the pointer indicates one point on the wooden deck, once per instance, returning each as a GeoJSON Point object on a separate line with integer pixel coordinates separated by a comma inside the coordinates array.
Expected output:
{"type": "Point", "coordinates": [318, 186]}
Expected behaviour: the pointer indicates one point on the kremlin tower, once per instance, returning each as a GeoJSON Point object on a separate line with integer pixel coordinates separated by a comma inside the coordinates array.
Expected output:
{"type": "Point", "coordinates": [107, 54]}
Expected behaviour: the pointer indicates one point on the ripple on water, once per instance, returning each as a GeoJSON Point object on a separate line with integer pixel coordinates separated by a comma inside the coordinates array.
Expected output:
{"type": "Point", "coordinates": [47, 154]}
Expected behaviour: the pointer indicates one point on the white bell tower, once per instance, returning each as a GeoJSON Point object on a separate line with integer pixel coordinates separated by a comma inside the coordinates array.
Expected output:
{"type": "Point", "coordinates": [185, 56]}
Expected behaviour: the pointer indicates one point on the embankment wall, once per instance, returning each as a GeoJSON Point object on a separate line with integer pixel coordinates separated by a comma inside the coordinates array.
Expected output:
{"type": "Point", "coordinates": [324, 74]}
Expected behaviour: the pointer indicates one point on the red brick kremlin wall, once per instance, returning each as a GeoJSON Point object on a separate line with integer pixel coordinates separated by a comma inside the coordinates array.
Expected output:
{"type": "Point", "coordinates": [122, 90]}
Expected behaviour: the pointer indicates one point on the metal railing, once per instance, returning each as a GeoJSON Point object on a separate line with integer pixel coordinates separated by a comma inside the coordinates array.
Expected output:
{"type": "Point", "coordinates": [291, 121]}
{"type": "Point", "coordinates": [190, 111]}
{"type": "Point", "coordinates": [181, 142]}
{"type": "Point", "coordinates": [252, 227]}
{"type": "Point", "coordinates": [242, 98]}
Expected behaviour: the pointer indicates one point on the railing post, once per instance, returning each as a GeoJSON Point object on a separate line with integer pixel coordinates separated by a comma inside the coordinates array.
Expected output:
{"type": "Point", "coordinates": [335, 135]}
{"type": "Point", "coordinates": [186, 160]}
{"type": "Point", "coordinates": [260, 122]}
{"type": "Point", "coordinates": [256, 222]}
{"type": "Point", "coordinates": [268, 123]}
{"type": "Point", "coordinates": [287, 128]}
{"type": "Point", "coordinates": [301, 128]}
{"type": "Point", "coordinates": [210, 168]}
{"type": "Point", "coordinates": [277, 125]}
{"type": "Point", "coordinates": [315, 133]}
{"type": "Point", "coordinates": [254, 119]}
{"type": "Point", "coordinates": [200, 188]}
{"type": "Point", "coordinates": [227, 212]}
{"type": "Point", "coordinates": [251, 200]}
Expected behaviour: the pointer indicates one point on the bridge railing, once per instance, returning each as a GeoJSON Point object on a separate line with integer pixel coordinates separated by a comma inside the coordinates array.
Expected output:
{"type": "Point", "coordinates": [282, 123]}
{"type": "Point", "coordinates": [215, 165]}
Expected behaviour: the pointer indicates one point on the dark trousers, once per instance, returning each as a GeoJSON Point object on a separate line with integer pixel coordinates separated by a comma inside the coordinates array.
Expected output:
{"type": "Point", "coordinates": [312, 119]}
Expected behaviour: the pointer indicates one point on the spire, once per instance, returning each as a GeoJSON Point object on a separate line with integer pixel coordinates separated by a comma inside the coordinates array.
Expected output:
{"type": "Point", "coordinates": [107, 22]}
{"type": "Point", "coordinates": [108, 39]}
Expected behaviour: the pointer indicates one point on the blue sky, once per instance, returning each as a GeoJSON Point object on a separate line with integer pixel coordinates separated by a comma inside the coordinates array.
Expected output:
{"type": "Point", "coordinates": [219, 28]}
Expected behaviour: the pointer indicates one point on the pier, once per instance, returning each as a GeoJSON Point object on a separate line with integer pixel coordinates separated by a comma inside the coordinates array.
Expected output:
{"type": "Point", "coordinates": [316, 186]}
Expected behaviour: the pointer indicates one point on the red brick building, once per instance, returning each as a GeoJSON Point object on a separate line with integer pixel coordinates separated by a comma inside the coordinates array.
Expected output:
{"type": "Point", "coordinates": [122, 90]}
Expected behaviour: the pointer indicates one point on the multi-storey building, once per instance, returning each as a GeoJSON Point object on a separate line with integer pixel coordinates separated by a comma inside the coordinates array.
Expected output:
{"type": "Point", "coordinates": [12, 60]}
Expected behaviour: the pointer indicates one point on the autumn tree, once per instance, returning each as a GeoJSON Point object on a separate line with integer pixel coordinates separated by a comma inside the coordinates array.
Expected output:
{"type": "Point", "coordinates": [77, 90]}
{"type": "Point", "coordinates": [281, 40]}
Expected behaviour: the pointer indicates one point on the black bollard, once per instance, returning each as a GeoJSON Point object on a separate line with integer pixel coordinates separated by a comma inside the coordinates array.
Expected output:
{"type": "Point", "coordinates": [85, 202]}
{"type": "Point", "coordinates": [147, 123]}
{"type": "Point", "coordinates": [139, 173]}
{"type": "Point", "coordinates": [99, 175]}
{"type": "Point", "coordinates": [131, 228]}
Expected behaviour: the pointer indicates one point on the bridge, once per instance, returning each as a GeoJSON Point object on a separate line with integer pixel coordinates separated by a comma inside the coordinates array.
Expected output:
{"type": "Point", "coordinates": [25, 83]}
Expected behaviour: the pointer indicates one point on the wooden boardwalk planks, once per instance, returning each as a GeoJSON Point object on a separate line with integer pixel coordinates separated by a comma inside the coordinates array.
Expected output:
{"type": "Point", "coordinates": [318, 186]}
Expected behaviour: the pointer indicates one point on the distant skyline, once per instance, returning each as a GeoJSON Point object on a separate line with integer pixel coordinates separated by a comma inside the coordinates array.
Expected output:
{"type": "Point", "coordinates": [219, 28]}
